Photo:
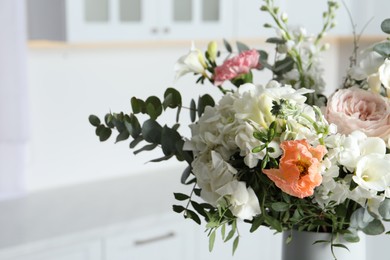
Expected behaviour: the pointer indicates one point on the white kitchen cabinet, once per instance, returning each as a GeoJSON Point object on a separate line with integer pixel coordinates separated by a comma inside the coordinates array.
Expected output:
{"type": "Point", "coordinates": [127, 20]}
{"type": "Point", "coordinates": [158, 238]}
{"type": "Point", "coordinates": [54, 250]}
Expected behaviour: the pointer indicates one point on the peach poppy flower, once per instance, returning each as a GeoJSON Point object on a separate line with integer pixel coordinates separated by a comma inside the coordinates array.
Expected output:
{"type": "Point", "coordinates": [299, 168]}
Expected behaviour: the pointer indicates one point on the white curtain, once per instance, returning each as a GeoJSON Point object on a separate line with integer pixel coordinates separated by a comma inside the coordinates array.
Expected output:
{"type": "Point", "coordinates": [13, 98]}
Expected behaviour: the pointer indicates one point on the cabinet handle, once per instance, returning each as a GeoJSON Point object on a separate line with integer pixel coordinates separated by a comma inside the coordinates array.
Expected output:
{"type": "Point", "coordinates": [167, 30]}
{"type": "Point", "coordinates": [154, 239]}
{"type": "Point", "coordinates": [154, 30]}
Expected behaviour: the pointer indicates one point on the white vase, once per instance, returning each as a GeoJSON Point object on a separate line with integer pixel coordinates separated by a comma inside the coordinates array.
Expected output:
{"type": "Point", "coordinates": [301, 247]}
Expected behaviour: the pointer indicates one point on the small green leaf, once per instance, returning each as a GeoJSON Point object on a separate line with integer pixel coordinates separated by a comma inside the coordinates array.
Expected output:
{"type": "Point", "coordinates": [235, 244]}
{"type": "Point", "coordinates": [223, 231]}
{"type": "Point", "coordinates": [148, 147]}
{"type": "Point", "coordinates": [124, 135]}
{"type": "Point", "coordinates": [340, 246]}
{"type": "Point", "coordinates": [136, 141]}
{"type": "Point", "coordinates": [205, 100]}
{"type": "Point", "coordinates": [137, 105]}
{"type": "Point", "coordinates": [181, 196]}
{"type": "Point", "coordinates": [375, 227]}
{"type": "Point", "coordinates": [172, 98]}
{"type": "Point", "coordinates": [383, 49]}
{"type": "Point", "coordinates": [178, 208]}
{"type": "Point", "coordinates": [276, 40]}
{"type": "Point", "coordinates": [192, 215]}
{"type": "Point", "coordinates": [211, 241]}
{"type": "Point", "coordinates": [153, 107]}
{"type": "Point", "coordinates": [193, 110]}
{"type": "Point", "coordinates": [94, 120]}
{"type": "Point", "coordinates": [227, 46]}
{"type": "Point", "coordinates": [384, 209]}
{"type": "Point", "coordinates": [151, 131]}
{"type": "Point", "coordinates": [164, 158]}
{"type": "Point", "coordinates": [104, 134]}
{"type": "Point", "coordinates": [186, 173]}
{"type": "Point", "coordinates": [132, 125]}
{"type": "Point", "coordinates": [283, 66]}
{"type": "Point", "coordinates": [199, 208]}
{"type": "Point", "coordinates": [385, 26]}
{"type": "Point", "coordinates": [242, 47]}
{"type": "Point", "coordinates": [280, 206]}
{"type": "Point", "coordinates": [169, 140]}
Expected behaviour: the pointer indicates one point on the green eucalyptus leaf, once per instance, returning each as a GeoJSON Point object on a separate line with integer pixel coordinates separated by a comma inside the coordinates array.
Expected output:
{"type": "Point", "coordinates": [383, 49]}
{"type": "Point", "coordinates": [352, 237]}
{"type": "Point", "coordinates": [137, 105]}
{"type": "Point", "coordinates": [136, 141]}
{"type": "Point", "coordinates": [153, 107]}
{"type": "Point", "coordinates": [174, 99]}
{"type": "Point", "coordinates": [151, 131]}
{"type": "Point", "coordinates": [104, 134]}
{"type": "Point", "coordinates": [94, 120]}
{"type": "Point", "coordinates": [384, 209]}
{"type": "Point", "coordinates": [227, 46]}
{"type": "Point", "coordinates": [124, 135]}
{"type": "Point", "coordinates": [108, 119]}
{"type": "Point", "coordinates": [205, 100]}
{"type": "Point", "coordinates": [148, 147]}
{"type": "Point", "coordinates": [169, 140]}
{"type": "Point", "coordinates": [385, 26]}
{"type": "Point", "coordinates": [164, 158]}
{"type": "Point", "coordinates": [132, 125]}
{"type": "Point", "coordinates": [375, 227]}
{"type": "Point", "coordinates": [242, 47]}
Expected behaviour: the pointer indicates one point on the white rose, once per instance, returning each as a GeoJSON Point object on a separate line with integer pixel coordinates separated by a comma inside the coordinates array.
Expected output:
{"type": "Point", "coordinates": [373, 172]}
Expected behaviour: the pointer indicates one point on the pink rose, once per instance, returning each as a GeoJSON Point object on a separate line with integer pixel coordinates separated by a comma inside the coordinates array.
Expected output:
{"type": "Point", "coordinates": [236, 66]}
{"type": "Point", "coordinates": [357, 109]}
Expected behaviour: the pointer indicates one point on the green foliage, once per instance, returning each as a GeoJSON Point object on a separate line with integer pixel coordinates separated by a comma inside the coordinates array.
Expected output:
{"type": "Point", "coordinates": [150, 131]}
{"type": "Point", "coordinates": [242, 47]}
{"type": "Point", "coordinates": [383, 49]}
{"type": "Point", "coordinates": [385, 26]}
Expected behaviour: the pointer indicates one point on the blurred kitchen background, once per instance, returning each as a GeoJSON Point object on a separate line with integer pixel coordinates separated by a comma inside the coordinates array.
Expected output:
{"type": "Point", "coordinates": [66, 196]}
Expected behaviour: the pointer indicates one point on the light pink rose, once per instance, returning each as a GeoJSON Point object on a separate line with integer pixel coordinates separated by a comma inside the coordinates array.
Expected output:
{"type": "Point", "coordinates": [236, 66]}
{"type": "Point", "coordinates": [357, 109]}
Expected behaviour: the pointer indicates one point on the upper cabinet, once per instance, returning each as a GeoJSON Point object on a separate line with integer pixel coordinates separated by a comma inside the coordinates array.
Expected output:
{"type": "Point", "coordinates": [127, 20]}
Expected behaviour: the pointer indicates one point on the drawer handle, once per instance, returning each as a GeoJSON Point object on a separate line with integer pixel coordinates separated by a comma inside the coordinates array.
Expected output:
{"type": "Point", "coordinates": [154, 239]}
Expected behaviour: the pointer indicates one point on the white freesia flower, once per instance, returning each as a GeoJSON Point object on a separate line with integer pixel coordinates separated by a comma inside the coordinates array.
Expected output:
{"type": "Point", "coordinates": [368, 65]}
{"type": "Point", "coordinates": [384, 74]}
{"type": "Point", "coordinates": [243, 200]}
{"type": "Point", "coordinates": [192, 62]}
{"type": "Point", "coordinates": [373, 172]}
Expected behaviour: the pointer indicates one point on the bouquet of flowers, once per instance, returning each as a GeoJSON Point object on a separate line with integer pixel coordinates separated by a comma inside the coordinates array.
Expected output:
{"type": "Point", "coordinates": [279, 155]}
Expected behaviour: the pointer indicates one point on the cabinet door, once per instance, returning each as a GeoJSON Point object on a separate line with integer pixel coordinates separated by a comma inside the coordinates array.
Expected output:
{"type": "Point", "coordinates": [160, 241]}
{"type": "Point", "coordinates": [196, 19]}
{"type": "Point", "coordinates": [110, 20]}
{"type": "Point", "coordinates": [80, 251]}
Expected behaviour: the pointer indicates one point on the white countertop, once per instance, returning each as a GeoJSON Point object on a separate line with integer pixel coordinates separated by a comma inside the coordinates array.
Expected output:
{"type": "Point", "coordinates": [62, 211]}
